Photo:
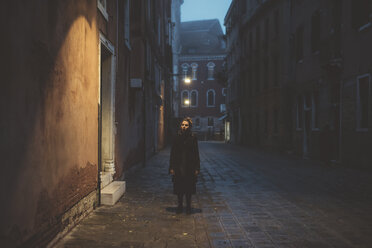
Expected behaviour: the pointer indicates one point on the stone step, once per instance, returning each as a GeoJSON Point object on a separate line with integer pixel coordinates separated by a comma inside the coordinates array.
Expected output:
{"type": "Point", "coordinates": [112, 192]}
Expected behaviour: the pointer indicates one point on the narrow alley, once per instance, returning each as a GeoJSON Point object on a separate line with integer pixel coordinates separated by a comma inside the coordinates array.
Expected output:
{"type": "Point", "coordinates": [95, 92]}
{"type": "Point", "coordinates": [245, 198]}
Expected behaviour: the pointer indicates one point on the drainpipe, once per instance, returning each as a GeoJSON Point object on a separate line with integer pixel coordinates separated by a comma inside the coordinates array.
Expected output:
{"type": "Point", "coordinates": [144, 104]}
{"type": "Point", "coordinates": [144, 121]}
{"type": "Point", "coordinates": [99, 144]}
{"type": "Point", "coordinates": [340, 120]}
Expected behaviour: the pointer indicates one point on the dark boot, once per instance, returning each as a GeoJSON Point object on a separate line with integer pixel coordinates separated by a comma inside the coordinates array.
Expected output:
{"type": "Point", "coordinates": [180, 204]}
{"type": "Point", "coordinates": [188, 203]}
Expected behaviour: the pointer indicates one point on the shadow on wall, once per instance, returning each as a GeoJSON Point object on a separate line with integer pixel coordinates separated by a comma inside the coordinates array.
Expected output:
{"type": "Point", "coordinates": [49, 115]}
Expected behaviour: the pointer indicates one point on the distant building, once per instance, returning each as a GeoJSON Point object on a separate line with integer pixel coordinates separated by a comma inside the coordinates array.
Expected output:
{"type": "Point", "coordinates": [202, 61]}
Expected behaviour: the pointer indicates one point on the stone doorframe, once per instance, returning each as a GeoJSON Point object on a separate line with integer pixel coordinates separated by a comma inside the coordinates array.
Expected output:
{"type": "Point", "coordinates": [106, 101]}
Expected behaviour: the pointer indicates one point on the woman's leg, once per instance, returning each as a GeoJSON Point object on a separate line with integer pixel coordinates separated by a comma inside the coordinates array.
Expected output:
{"type": "Point", "coordinates": [188, 203]}
{"type": "Point", "coordinates": [180, 203]}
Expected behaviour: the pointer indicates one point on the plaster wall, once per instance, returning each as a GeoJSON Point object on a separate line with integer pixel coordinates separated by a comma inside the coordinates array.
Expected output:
{"type": "Point", "coordinates": [49, 118]}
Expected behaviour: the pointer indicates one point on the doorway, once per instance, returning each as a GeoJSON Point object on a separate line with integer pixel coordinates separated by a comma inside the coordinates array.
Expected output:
{"type": "Point", "coordinates": [106, 132]}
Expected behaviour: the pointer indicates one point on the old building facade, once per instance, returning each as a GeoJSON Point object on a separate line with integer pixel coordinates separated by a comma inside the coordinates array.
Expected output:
{"type": "Point", "coordinates": [257, 41]}
{"type": "Point", "coordinates": [176, 50]}
{"type": "Point", "coordinates": [85, 98]}
{"type": "Point", "coordinates": [201, 61]}
{"type": "Point", "coordinates": [233, 50]}
{"type": "Point", "coordinates": [304, 66]}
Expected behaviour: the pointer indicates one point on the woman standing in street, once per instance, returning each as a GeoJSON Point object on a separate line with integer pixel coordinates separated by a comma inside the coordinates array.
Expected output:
{"type": "Point", "coordinates": [184, 164]}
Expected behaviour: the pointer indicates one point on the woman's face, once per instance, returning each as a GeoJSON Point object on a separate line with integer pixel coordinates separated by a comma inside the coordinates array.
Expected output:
{"type": "Point", "coordinates": [185, 125]}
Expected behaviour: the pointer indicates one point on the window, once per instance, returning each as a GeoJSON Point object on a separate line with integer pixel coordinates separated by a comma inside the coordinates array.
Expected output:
{"type": "Point", "coordinates": [266, 33]}
{"type": "Point", "coordinates": [276, 23]}
{"type": "Point", "coordinates": [245, 46]}
{"type": "Point", "coordinates": [275, 71]}
{"type": "Point", "coordinates": [258, 37]}
{"type": "Point", "coordinates": [361, 10]}
{"type": "Point", "coordinates": [210, 98]}
{"type": "Point", "coordinates": [276, 121]}
{"type": "Point", "coordinates": [336, 14]}
{"type": "Point", "coordinates": [300, 108]}
{"type": "Point", "coordinates": [266, 74]}
{"type": "Point", "coordinates": [211, 66]}
{"type": "Point", "coordinates": [191, 50]}
{"type": "Point", "coordinates": [307, 101]}
{"type": "Point", "coordinates": [149, 11]}
{"type": "Point", "coordinates": [222, 108]}
{"type": "Point", "coordinates": [363, 93]}
{"type": "Point", "coordinates": [170, 33]}
{"type": "Point", "coordinates": [185, 101]}
{"type": "Point", "coordinates": [250, 41]}
{"type": "Point", "coordinates": [210, 122]}
{"type": "Point", "coordinates": [249, 80]}
{"type": "Point", "coordinates": [266, 121]}
{"type": "Point", "coordinates": [299, 44]}
{"type": "Point", "coordinates": [185, 68]}
{"type": "Point", "coordinates": [315, 110]}
{"type": "Point", "coordinates": [197, 122]}
{"type": "Point", "coordinates": [224, 90]}
{"type": "Point", "coordinates": [102, 6]}
{"type": "Point", "coordinates": [153, 14]}
{"type": "Point", "coordinates": [194, 68]}
{"type": "Point", "coordinates": [315, 31]}
{"type": "Point", "coordinates": [194, 98]}
{"type": "Point", "coordinates": [160, 36]}
{"type": "Point", "coordinates": [127, 22]}
{"type": "Point", "coordinates": [249, 122]}
{"type": "Point", "coordinates": [258, 76]}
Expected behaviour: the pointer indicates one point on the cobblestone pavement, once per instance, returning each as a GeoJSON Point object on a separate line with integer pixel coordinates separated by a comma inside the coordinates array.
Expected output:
{"type": "Point", "coordinates": [246, 198]}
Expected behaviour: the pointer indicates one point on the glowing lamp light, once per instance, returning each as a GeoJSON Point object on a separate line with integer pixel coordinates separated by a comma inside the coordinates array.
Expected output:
{"type": "Point", "coordinates": [187, 80]}
{"type": "Point", "coordinates": [187, 102]}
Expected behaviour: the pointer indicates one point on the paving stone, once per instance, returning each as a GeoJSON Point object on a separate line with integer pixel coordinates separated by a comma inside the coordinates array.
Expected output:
{"type": "Point", "coordinates": [245, 198]}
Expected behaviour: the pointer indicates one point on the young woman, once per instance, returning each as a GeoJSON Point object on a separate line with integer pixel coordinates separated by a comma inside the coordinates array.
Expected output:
{"type": "Point", "coordinates": [184, 164]}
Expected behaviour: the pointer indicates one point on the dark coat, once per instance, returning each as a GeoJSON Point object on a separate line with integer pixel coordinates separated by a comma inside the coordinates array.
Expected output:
{"type": "Point", "coordinates": [184, 160]}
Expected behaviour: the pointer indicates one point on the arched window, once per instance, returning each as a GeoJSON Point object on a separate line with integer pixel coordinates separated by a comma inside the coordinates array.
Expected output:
{"type": "Point", "coordinates": [224, 90]}
{"type": "Point", "coordinates": [185, 100]}
{"type": "Point", "coordinates": [211, 66]}
{"type": "Point", "coordinates": [194, 98]}
{"type": "Point", "coordinates": [197, 122]}
{"type": "Point", "coordinates": [185, 68]}
{"type": "Point", "coordinates": [211, 98]}
{"type": "Point", "coordinates": [194, 68]}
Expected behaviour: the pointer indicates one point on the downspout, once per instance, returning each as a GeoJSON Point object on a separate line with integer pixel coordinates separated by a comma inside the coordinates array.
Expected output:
{"type": "Point", "coordinates": [99, 140]}
{"type": "Point", "coordinates": [340, 131]}
{"type": "Point", "coordinates": [144, 102]}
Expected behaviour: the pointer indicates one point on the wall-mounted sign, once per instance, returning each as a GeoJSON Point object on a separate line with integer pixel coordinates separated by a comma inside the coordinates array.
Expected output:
{"type": "Point", "coordinates": [136, 83]}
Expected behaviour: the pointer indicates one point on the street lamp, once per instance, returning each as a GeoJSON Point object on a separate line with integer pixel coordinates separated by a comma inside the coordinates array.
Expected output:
{"type": "Point", "coordinates": [187, 80]}
{"type": "Point", "coordinates": [187, 102]}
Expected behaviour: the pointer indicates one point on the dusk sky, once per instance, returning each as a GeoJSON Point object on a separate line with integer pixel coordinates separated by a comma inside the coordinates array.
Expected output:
{"type": "Point", "coordinates": [204, 9]}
